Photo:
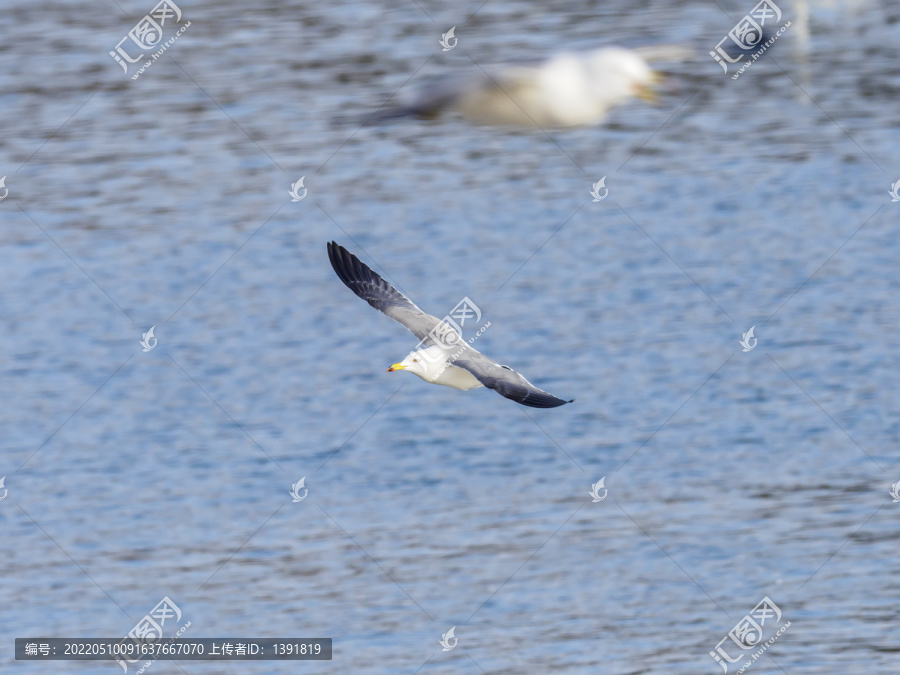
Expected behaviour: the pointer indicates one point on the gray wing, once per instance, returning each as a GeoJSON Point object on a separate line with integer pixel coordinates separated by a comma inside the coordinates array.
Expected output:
{"type": "Point", "coordinates": [360, 279]}
{"type": "Point", "coordinates": [505, 381]}
{"type": "Point", "coordinates": [432, 98]}
{"type": "Point", "coordinates": [441, 93]}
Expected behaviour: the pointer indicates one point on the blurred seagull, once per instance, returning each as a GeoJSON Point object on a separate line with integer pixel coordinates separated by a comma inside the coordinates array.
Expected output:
{"type": "Point", "coordinates": [572, 89]}
{"type": "Point", "coordinates": [454, 365]}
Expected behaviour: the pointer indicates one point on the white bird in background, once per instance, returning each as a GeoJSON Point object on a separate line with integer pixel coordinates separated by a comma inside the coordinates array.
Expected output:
{"type": "Point", "coordinates": [571, 89]}
{"type": "Point", "coordinates": [454, 365]}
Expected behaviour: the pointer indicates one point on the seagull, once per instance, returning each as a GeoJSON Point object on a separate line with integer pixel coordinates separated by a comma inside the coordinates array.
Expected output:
{"type": "Point", "coordinates": [444, 357]}
{"type": "Point", "coordinates": [571, 89]}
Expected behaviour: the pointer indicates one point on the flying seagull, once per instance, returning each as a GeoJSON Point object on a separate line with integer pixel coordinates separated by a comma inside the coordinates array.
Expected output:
{"type": "Point", "coordinates": [572, 89]}
{"type": "Point", "coordinates": [444, 358]}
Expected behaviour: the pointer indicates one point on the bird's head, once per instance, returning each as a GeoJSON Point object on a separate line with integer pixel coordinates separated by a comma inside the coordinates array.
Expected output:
{"type": "Point", "coordinates": [414, 363]}
{"type": "Point", "coordinates": [427, 363]}
{"type": "Point", "coordinates": [623, 74]}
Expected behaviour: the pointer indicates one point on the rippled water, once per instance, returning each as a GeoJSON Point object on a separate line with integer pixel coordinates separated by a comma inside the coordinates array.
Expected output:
{"type": "Point", "coordinates": [732, 475]}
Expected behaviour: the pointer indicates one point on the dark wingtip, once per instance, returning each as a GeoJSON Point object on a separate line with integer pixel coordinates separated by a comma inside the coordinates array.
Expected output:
{"type": "Point", "coordinates": [557, 402]}
{"type": "Point", "coordinates": [342, 261]}
{"type": "Point", "coordinates": [380, 116]}
{"type": "Point", "coordinates": [359, 278]}
{"type": "Point", "coordinates": [543, 400]}
{"type": "Point", "coordinates": [333, 247]}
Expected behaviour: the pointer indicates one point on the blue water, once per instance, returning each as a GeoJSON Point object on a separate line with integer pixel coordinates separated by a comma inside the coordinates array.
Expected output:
{"type": "Point", "coordinates": [731, 475]}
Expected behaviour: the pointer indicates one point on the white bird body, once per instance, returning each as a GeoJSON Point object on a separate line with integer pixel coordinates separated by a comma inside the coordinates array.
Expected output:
{"type": "Point", "coordinates": [566, 91]}
{"type": "Point", "coordinates": [571, 89]}
{"type": "Point", "coordinates": [433, 365]}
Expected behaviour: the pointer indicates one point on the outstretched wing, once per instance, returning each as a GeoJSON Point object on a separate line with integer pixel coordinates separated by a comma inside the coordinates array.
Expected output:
{"type": "Point", "coordinates": [505, 381]}
{"type": "Point", "coordinates": [435, 96]}
{"type": "Point", "coordinates": [360, 279]}
{"type": "Point", "coordinates": [505, 86]}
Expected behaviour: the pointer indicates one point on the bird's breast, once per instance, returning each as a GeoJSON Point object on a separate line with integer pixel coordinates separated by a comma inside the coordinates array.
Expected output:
{"type": "Point", "coordinates": [458, 378]}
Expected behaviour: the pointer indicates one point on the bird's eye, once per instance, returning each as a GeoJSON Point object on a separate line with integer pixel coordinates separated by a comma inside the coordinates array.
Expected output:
{"type": "Point", "coordinates": [415, 360]}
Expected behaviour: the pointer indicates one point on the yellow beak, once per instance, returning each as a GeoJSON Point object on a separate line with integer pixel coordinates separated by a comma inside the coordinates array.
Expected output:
{"type": "Point", "coordinates": [396, 366]}
{"type": "Point", "coordinates": [645, 92]}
